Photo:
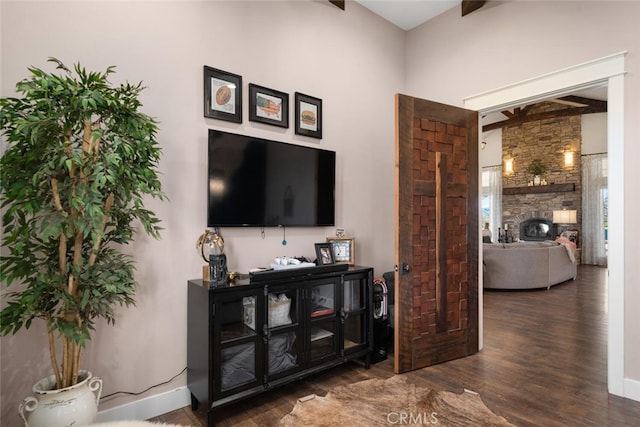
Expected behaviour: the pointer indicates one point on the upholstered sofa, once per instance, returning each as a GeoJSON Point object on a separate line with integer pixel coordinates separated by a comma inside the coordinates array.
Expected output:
{"type": "Point", "coordinates": [527, 265]}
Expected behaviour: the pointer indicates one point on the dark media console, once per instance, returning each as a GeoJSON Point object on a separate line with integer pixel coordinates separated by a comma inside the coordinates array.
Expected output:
{"type": "Point", "coordinates": [248, 336]}
{"type": "Point", "coordinates": [295, 273]}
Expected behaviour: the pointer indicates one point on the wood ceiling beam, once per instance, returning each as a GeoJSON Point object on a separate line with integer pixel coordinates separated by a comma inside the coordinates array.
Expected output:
{"type": "Point", "coordinates": [338, 3]}
{"type": "Point", "coordinates": [468, 6]}
{"type": "Point", "coordinates": [596, 103]}
{"type": "Point", "coordinates": [525, 110]}
{"type": "Point", "coordinates": [523, 118]}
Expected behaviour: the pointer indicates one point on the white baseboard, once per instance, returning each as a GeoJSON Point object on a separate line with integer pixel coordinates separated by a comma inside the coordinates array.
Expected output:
{"type": "Point", "coordinates": [632, 389]}
{"type": "Point", "coordinates": [148, 407]}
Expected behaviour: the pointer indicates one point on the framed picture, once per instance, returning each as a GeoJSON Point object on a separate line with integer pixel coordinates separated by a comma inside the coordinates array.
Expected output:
{"type": "Point", "coordinates": [308, 115]}
{"type": "Point", "coordinates": [222, 95]}
{"type": "Point", "coordinates": [268, 106]}
{"type": "Point", "coordinates": [343, 249]}
{"type": "Point", "coordinates": [324, 254]}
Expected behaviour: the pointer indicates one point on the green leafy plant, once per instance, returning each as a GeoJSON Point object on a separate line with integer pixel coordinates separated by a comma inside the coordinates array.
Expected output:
{"type": "Point", "coordinates": [536, 167]}
{"type": "Point", "coordinates": [80, 159]}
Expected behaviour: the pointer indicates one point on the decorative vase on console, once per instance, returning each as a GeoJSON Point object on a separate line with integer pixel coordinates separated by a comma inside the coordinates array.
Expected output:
{"type": "Point", "coordinates": [536, 180]}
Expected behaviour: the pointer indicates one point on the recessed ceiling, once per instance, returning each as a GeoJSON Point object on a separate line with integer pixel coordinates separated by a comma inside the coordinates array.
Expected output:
{"type": "Point", "coordinates": [408, 14]}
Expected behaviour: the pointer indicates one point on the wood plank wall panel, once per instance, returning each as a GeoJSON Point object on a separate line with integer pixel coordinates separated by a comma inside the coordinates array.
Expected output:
{"type": "Point", "coordinates": [439, 296]}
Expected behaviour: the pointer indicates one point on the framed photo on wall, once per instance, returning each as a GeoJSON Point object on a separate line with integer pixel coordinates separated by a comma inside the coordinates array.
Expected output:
{"type": "Point", "coordinates": [308, 115]}
{"type": "Point", "coordinates": [268, 106]}
{"type": "Point", "coordinates": [324, 254]}
{"type": "Point", "coordinates": [222, 95]}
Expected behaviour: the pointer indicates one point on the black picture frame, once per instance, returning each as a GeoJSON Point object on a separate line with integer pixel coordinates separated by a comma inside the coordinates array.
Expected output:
{"type": "Point", "coordinates": [308, 115]}
{"type": "Point", "coordinates": [268, 106]}
{"type": "Point", "coordinates": [324, 254]}
{"type": "Point", "coordinates": [222, 95]}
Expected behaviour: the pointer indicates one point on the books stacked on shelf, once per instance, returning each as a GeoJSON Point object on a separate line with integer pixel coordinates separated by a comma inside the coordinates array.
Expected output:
{"type": "Point", "coordinates": [320, 310]}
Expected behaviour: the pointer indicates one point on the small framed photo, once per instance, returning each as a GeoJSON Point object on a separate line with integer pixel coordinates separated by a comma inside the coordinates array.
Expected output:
{"type": "Point", "coordinates": [268, 106]}
{"type": "Point", "coordinates": [222, 95]}
{"type": "Point", "coordinates": [343, 249]}
{"type": "Point", "coordinates": [324, 254]}
{"type": "Point", "coordinates": [308, 115]}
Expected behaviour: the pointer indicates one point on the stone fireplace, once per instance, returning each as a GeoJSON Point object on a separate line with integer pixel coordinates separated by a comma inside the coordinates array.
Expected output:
{"type": "Point", "coordinates": [537, 229]}
{"type": "Point", "coordinates": [548, 140]}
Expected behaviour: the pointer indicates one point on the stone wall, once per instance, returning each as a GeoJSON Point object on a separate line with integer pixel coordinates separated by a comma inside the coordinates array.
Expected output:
{"type": "Point", "coordinates": [547, 140]}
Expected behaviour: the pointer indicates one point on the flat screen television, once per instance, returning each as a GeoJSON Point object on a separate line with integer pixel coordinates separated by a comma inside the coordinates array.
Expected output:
{"type": "Point", "coordinates": [255, 182]}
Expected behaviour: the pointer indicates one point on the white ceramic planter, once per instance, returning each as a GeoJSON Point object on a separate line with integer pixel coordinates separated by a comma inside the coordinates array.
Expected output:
{"type": "Point", "coordinates": [71, 406]}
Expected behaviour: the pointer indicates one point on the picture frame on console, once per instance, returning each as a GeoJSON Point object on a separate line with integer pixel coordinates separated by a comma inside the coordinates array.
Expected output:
{"type": "Point", "coordinates": [308, 117]}
{"type": "Point", "coordinates": [222, 95]}
{"type": "Point", "coordinates": [268, 106]}
{"type": "Point", "coordinates": [324, 254]}
{"type": "Point", "coordinates": [343, 249]}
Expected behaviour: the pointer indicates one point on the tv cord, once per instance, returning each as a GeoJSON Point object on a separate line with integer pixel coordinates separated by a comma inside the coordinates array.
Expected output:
{"type": "Point", "coordinates": [133, 393]}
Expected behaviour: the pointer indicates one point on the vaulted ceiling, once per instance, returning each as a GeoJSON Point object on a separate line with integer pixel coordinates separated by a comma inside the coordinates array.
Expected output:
{"type": "Point", "coordinates": [408, 14]}
{"type": "Point", "coordinates": [573, 105]}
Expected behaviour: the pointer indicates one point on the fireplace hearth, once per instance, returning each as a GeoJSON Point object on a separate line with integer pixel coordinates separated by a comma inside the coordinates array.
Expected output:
{"type": "Point", "coordinates": [537, 229]}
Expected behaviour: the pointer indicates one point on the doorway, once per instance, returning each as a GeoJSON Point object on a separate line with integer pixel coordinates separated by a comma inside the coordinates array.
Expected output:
{"type": "Point", "coordinates": [604, 71]}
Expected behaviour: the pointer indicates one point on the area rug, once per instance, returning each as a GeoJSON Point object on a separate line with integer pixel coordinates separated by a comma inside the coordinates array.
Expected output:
{"type": "Point", "coordinates": [133, 424]}
{"type": "Point", "coordinates": [391, 402]}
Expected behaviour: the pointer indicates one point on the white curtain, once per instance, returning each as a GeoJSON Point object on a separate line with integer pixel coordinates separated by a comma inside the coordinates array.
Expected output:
{"type": "Point", "coordinates": [594, 203]}
{"type": "Point", "coordinates": [492, 191]}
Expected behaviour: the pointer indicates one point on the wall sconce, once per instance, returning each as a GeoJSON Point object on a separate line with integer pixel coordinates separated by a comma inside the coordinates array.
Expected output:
{"type": "Point", "coordinates": [508, 166]}
{"type": "Point", "coordinates": [565, 217]}
{"type": "Point", "coordinates": [568, 158]}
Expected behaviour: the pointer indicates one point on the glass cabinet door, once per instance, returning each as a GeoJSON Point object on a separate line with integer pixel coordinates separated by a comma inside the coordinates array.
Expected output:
{"type": "Point", "coordinates": [323, 322]}
{"type": "Point", "coordinates": [354, 313]}
{"type": "Point", "coordinates": [236, 361]}
{"type": "Point", "coordinates": [284, 338]}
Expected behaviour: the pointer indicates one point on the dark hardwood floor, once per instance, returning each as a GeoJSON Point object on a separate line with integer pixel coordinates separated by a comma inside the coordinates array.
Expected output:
{"type": "Point", "coordinates": [544, 363]}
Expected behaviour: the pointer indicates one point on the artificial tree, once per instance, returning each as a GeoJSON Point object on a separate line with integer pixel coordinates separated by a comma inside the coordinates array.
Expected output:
{"type": "Point", "coordinates": [79, 162]}
{"type": "Point", "coordinates": [536, 167]}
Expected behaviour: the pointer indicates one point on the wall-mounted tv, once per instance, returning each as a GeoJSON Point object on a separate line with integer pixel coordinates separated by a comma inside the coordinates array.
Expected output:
{"type": "Point", "coordinates": [255, 182]}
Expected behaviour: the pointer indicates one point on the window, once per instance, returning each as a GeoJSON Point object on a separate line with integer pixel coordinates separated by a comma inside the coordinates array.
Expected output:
{"type": "Point", "coordinates": [595, 198]}
{"type": "Point", "coordinates": [491, 200]}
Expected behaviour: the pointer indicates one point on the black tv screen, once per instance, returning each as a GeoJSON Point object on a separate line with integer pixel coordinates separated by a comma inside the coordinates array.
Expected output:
{"type": "Point", "coordinates": [255, 182]}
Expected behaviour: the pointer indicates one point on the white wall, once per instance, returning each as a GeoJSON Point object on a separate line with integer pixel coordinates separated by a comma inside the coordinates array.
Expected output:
{"type": "Point", "coordinates": [491, 153]}
{"type": "Point", "coordinates": [594, 133]}
{"type": "Point", "coordinates": [353, 60]}
{"type": "Point", "coordinates": [451, 58]}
